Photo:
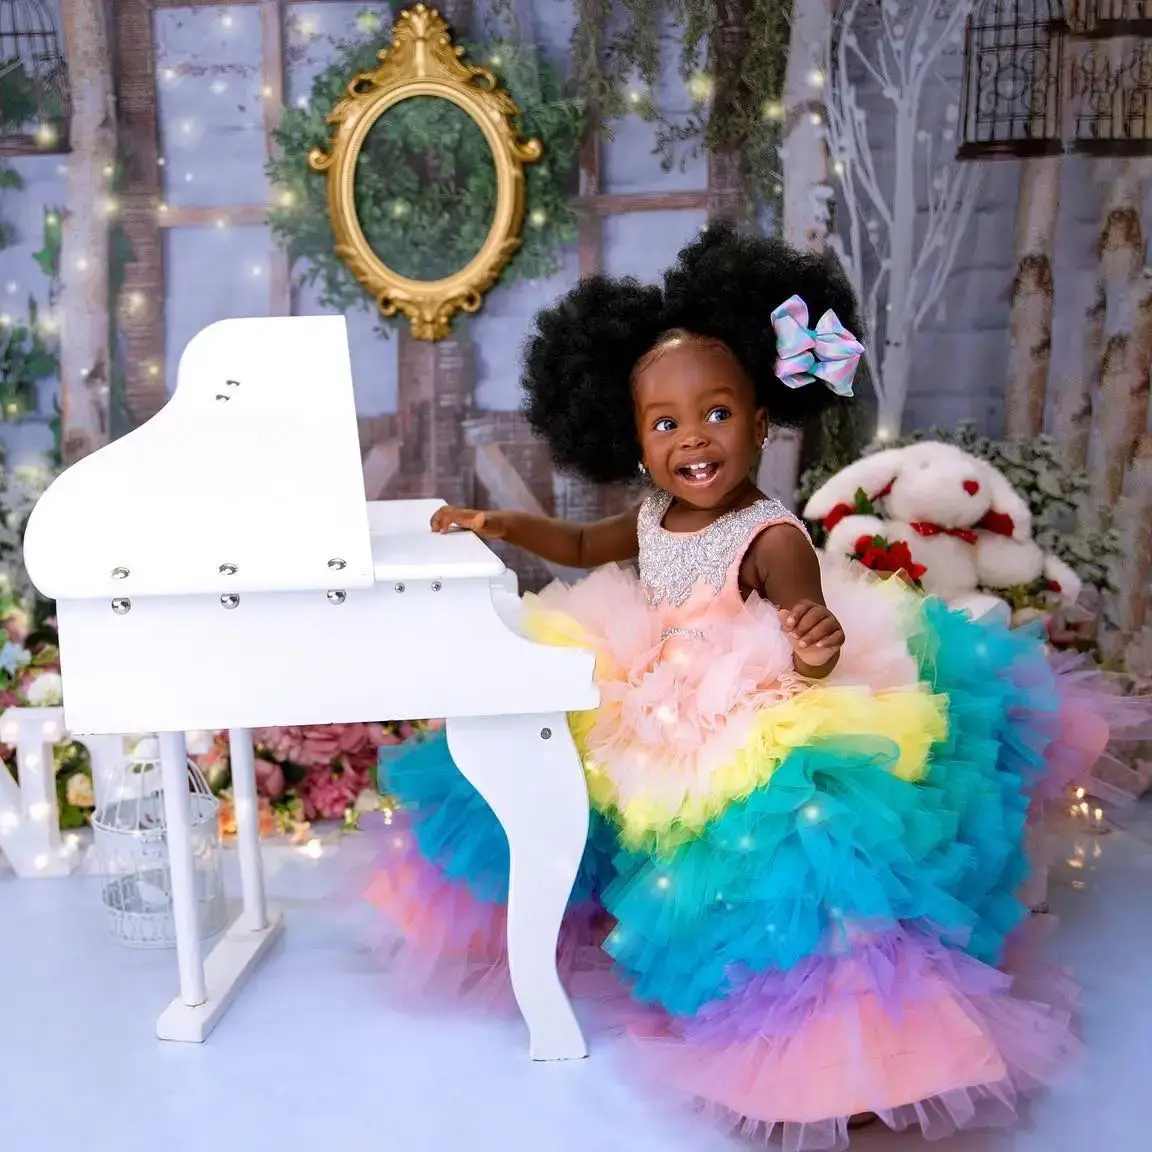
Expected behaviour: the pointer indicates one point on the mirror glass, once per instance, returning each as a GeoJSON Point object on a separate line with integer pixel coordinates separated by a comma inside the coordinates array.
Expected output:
{"type": "Point", "coordinates": [425, 188]}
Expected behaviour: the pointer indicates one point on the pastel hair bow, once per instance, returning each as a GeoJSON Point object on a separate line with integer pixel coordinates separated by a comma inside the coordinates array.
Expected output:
{"type": "Point", "coordinates": [828, 352]}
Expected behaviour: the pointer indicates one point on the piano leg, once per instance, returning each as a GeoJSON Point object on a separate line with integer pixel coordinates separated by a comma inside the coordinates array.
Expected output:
{"type": "Point", "coordinates": [182, 870]}
{"type": "Point", "coordinates": [528, 770]}
{"type": "Point", "coordinates": [246, 802]}
{"type": "Point", "coordinates": [207, 987]}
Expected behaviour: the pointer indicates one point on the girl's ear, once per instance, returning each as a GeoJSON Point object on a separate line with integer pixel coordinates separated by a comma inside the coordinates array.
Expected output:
{"type": "Point", "coordinates": [760, 427]}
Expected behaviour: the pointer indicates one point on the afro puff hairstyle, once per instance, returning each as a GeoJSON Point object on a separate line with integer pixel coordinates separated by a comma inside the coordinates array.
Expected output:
{"type": "Point", "coordinates": [579, 360]}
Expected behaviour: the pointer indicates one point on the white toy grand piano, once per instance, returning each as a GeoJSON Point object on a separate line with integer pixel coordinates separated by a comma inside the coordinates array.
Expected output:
{"type": "Point", "coordinates": [219, 568]}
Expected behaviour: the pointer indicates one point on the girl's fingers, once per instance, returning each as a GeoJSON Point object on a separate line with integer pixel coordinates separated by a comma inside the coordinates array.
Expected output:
{"type": "Point", "coordinates": [818, 631]}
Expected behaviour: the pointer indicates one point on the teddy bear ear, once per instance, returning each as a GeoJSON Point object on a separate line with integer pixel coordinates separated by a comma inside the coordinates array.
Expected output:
{"type": "Point", "coordinates": [1008, 513]}
{"type": "Point", "coordinates": [871, 474]}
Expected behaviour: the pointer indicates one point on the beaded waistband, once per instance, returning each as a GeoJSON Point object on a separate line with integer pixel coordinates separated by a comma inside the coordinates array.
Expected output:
{"type": "Point", "coordinates": [683, 633]}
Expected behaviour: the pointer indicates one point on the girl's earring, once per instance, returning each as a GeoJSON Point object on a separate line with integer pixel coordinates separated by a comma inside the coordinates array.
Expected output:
{"type": "Point", "coordinates": [642, 470]}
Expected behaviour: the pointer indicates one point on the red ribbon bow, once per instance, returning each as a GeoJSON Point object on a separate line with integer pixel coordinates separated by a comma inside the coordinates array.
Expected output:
{"type": "Point", "coordinates": [928, 530]}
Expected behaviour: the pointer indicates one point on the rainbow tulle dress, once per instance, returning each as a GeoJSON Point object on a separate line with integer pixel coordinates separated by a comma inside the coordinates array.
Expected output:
{"type": "Point", "coordinates": [799, 898]}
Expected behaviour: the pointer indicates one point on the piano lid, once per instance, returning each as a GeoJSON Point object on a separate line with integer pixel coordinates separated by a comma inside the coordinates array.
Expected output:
{"type": "Point", "coordinates": [249, 479]}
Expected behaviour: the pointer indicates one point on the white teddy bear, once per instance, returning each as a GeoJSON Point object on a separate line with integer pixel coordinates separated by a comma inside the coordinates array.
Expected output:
{"type": "Point", "coordinates": [962, 522]}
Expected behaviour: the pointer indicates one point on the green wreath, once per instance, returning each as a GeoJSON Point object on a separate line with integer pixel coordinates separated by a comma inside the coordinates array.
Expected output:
{"type": "Point", "coordinates": [431, 214]}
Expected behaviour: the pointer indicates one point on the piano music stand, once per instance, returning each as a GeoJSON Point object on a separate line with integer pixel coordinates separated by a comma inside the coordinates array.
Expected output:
{"type": "Point", "coordinates": [219, 568]}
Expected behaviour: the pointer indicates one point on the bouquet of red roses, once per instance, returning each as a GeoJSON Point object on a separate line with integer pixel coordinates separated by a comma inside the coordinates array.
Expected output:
{"type": "Point", "coordinates": [890, 557]}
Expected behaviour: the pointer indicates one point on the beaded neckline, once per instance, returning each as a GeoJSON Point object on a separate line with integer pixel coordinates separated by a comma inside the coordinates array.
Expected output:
{"type": "Point", "coordinates": [673, 563]}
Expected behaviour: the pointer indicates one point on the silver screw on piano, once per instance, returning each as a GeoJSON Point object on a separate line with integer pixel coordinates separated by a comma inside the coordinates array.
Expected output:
{"type": "Point", "coordinates": [119, 573]}
{"type": "Point", "coordinates": [227, 569]}
{"type": "Point", "coordinates": [399, 587]}
{"type": "Point", "coordinates": [436, 585]}
{"type": "Point", "coordinates": [121, 606]}
{"type": "Point", "coordinates": [337, 565]}
{"type": "Point", "coordinates": [336, 596]}
{"type": "Point", "coordinates": [230, 600]}
{"type": "Point", "coordinates": [545, 733]}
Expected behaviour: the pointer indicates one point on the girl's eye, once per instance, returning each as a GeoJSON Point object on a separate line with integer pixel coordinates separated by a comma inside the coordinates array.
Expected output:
{"type": "Point", "coordinates": [719, 415]}
{"type": "Point", "coordinates": [665, 424]}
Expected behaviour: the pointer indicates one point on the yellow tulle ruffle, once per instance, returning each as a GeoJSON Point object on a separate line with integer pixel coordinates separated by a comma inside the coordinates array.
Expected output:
{"type": "Point", "coordinates": [912, 718]}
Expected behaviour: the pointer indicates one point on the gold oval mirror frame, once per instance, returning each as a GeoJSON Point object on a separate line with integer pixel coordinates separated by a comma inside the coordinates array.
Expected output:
{"type": "Point", "coordinates": [423, 61]}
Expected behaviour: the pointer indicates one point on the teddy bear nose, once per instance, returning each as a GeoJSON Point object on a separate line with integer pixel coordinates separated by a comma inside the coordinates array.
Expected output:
{"type": "Point", "coordinates": [971, 487]}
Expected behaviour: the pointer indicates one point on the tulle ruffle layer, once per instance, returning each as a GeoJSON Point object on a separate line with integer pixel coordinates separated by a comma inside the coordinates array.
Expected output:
{"type": "Point", "coordinates": [806, 893]}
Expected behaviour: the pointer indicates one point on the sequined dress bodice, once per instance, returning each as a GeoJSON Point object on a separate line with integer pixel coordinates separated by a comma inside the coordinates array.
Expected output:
{"type": "Point", "coordinates": [681, 571]}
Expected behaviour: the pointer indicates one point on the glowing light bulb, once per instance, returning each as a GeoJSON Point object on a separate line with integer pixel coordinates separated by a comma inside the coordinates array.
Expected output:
{"type": "Point", "coordinates": [11, 733]}
{"type": "Point", "coordinates": [257, 270]}
{"type": "Point", "coordinates": [313, 849]}
{"type": "Point", "coordinates": [266, 91]}
{"type": "Point", "coordinates": [700, 87]}
{"type": "Point", "coordinates": [186, 126]}
{"type": "Point", "coordinates": [663, 882]}
{"type": "Point", "coordinates": [839, 167]}
{"type": "Point", "coordinates": [46, 135]}
{"type": "Point", "coordinates": [161, 207]}
{"type": "Point", "coordinates": [169, 74]}
{"type": "Point", "coordinates": [773, 110]}
{"type": "Point", "coordinates": [538, 218]}
{"type": "Point", "coordinates": [39, 811]}
{"type": "Point", "coordinates": [111, 206]}
{"type": "Point", "coordinates": [1084, 809]}
{"type": "Point", "coordinates": [1098, 814]}
{"type": "Point", "coordinates": [5, 320]}
{"type": "Point", "coordinates": [8, 820]}
{"type": "Point", "coordinates": [51, 219]}
{"type": "Point", "coordinates": [217, 87]}
{"type": "Point", "coordinates": [41, 862]}
{"type": "Point", "coordinates": [1079, 793]}
{"type": "Point", "coordinates": [816, 78]}
{"type": "Point", "coordinates": [221, 222]}
{"type": "Point", "coordinates": [287, 198]}
{"type": "Point", "coordinates": [815, 118]}
{"type": "Point", "coordinates": [226, 20]}
{"type": "Point", "coordinates": [81, 265]}
{"type": "Point", "coordinates": [153, 369]}
{"type": "Point", "coordinates": [496, 60]}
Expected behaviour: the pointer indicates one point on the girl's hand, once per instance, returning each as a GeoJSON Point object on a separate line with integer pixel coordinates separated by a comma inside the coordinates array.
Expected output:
{"type": "Point", "coordinates": [814, 633]}
{"type": "Point", "coordinates": [487, 525]}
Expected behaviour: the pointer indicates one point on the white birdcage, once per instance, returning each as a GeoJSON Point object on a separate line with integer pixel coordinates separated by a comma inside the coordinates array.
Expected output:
{"type": "Point", "coordinates": [130, 838]}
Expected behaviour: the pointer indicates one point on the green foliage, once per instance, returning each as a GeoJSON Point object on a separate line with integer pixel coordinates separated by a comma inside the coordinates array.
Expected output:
{"type": "Point", "coordinates": [25, 102]}
{"type": "Point", "coordinates": [1055, 494]}
{"type": "Point", "coordinates": [446, 187]}
{"type": "Point", "coordinates": [613, 43]}
{"type": "Point", "coordinates": [25, 361]}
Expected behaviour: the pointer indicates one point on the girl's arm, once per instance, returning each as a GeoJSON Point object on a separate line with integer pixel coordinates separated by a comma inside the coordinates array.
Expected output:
{"type": "Point", "coordinates": [561, 542]}
{"type": "Point", "coordinates": [782, 566]}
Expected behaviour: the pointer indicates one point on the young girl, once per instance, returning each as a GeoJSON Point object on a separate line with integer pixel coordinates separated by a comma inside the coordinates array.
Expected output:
{"type": "Point", "coordinates": [810, 788]}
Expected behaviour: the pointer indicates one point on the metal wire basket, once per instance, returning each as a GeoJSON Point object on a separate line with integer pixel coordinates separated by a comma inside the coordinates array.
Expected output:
{"type": "Point", "coordinates": [130, 838]}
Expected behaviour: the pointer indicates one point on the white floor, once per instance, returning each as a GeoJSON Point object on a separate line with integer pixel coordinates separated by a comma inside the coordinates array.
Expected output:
{"type": "Point", "coordinates": [311, 1059]}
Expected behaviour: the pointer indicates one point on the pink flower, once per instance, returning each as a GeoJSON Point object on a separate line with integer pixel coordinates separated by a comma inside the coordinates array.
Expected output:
{"type": "Point", "coordinates": [269, 779]}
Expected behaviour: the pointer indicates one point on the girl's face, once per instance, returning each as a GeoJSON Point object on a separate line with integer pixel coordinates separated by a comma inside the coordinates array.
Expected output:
{"type": "Point", "coordinates": [697, 422]}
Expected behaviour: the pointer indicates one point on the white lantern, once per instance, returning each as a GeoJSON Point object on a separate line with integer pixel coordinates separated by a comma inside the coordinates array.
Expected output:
{"type": "Point", "coordinates": [130, 839]}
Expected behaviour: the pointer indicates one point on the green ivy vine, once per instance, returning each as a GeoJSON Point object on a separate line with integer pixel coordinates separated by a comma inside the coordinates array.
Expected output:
{"type": "Point", "coordinates": [618, 42]}
{"type": "Point", "coordinates": [446, 189]}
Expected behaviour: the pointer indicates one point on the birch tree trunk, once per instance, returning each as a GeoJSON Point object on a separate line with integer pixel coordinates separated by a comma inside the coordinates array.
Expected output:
{"type": "Point", "coordinates": [807, 193]}
{"type": "Point", "coordinates": [1124, 303]}
{"type": "Point", "coordinates": [896, 356]}
{"type": "Point", "coordinates": [85, 354]}
{"type": "Point", "coordinates": [804, 153]}
{"type": "Point", "coordinates": [1030, 319]}
{"type": "Point", "coordinates": [1134, 516]}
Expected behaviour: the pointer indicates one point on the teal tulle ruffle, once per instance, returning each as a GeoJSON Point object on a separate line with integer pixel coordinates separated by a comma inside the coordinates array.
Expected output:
{"type": "Point", "coordinates": [459, 833]}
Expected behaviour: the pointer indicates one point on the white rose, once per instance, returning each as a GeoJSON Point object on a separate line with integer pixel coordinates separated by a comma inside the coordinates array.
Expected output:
{"type": "Point", "coordinates": [78, 791]}
{"type": "Point", "coordinates": [46, 691]}
{"type": "Point", "coordinates": [368, 801]}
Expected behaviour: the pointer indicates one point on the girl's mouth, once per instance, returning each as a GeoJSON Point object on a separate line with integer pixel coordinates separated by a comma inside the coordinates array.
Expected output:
{"type": "Point", "coordinates": [700, 473]}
